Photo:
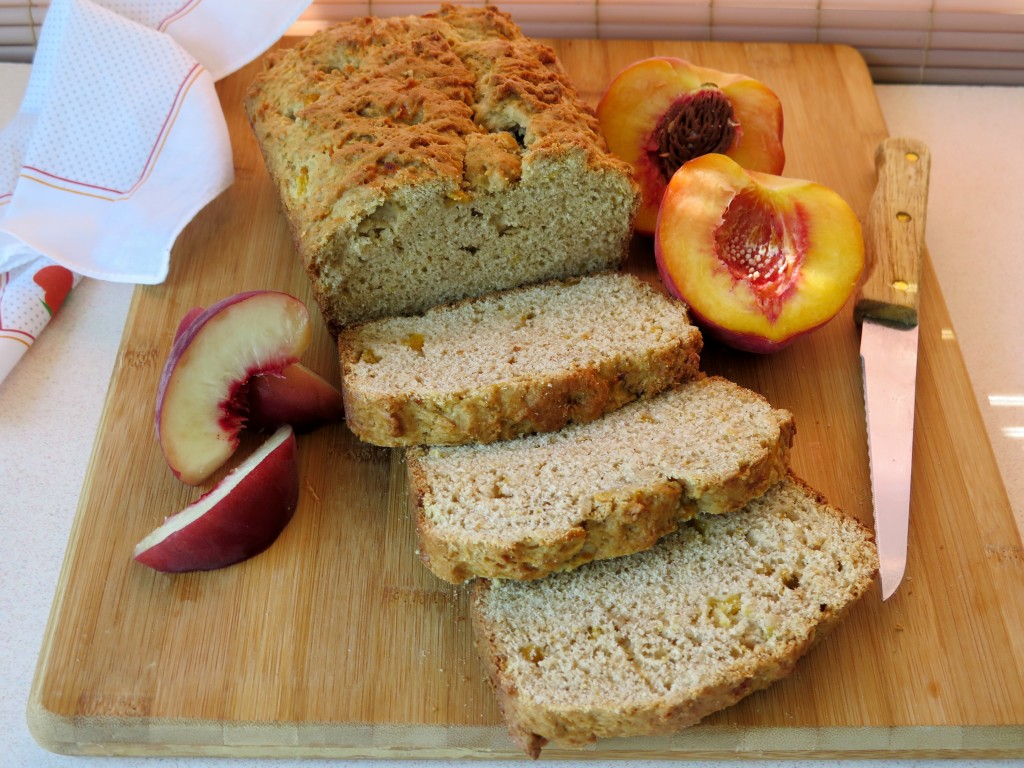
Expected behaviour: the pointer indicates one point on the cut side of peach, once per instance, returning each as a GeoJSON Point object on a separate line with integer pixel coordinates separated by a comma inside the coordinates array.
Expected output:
{"type": "Point", "coordinates": [659, 113]}
{"type": "Point", "coordinates": [202, 397]}
{"type": "Point", "coordinates": [297, 395]}
{"type": "Point", "coordinates": [760, 259]}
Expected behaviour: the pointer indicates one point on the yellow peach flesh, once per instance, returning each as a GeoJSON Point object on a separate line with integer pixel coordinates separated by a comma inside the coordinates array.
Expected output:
{"type": "Point", "coordinates": [822, 238]}
{"type": "Point", "coordinates": [632, 107]}
{"type": "Point", "coordinates": [757, 145]}
{"type": "Point", "coordinates": [629, 111]}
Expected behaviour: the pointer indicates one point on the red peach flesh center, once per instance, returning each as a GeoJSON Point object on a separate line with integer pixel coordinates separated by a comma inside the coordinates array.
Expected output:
{"type": "Point", "coordinates": [234, 409]}
{"type": "Point", "coordinates": [697, 123]}
{"type": "Point", "coordinates": [761, 248]}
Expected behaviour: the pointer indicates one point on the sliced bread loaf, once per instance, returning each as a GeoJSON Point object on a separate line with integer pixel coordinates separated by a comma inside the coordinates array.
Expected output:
{"type": "Point", "coordinates": [654, 642]}
{"type": "Point", "coordinates": [527, 507]}
{"type": "Point", "coordinates": [525, 360]}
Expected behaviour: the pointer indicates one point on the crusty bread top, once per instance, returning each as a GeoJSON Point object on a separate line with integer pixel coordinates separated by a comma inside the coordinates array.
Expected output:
{"type": "Point", "coordinates": [375, 104]}
{"type": "Point", "coordinates": [531, 333]}
{"type": "Point", "coordinates": [725, 600]}
{"type": "Point", "coordinates": [700, 435]}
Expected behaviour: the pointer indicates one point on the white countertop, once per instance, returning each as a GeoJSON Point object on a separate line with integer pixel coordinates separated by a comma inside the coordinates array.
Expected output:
{"type": "Point", "coordinates": [50, 404]}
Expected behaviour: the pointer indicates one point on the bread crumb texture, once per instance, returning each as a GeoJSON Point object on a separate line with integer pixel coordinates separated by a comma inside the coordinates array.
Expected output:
{"type": "Point", "coordinates": [655, 641]}
{"type": "Point", "coordinates": [524, 360]}
{"type": "Point", "coordinates": [424, 159]}
{"type": "Point", "coordinates": [526, 507]}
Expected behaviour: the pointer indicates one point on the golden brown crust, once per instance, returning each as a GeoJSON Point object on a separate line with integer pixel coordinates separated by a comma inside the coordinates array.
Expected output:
{"type": "Point", "coordinates": [387, 98]}
{"type": "Point", "coordinates": [620, 523]}
{"type": "Point", "coordinates": [449, 105]}
{"type": "Point", "coordinates": [520, 402]}
{"type": "Point", "coordinates": [507, 409]}
{"type": "Point", "coordinates": [617, 522]}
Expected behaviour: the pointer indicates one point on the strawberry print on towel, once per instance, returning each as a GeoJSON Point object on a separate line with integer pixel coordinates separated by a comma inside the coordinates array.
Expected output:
{"type": "Point", "coordinates": [29, 296]}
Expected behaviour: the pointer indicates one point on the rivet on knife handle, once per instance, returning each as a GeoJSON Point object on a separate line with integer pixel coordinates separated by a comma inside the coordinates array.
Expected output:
{"type": "Point", "coordinates": [897, 214]}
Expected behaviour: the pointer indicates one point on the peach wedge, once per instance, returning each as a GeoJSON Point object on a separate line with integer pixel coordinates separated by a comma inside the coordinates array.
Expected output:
{"type": "Point", "coordinates": [660, 112]}
{"type": "Point", "coordinates": [239, 518]}
{"type": "Point", "coordinates": [760, 259]}
{"type": "Point", "coordinates": [201, 401]}
{"type": "Point", "coordinates": [296, 396]}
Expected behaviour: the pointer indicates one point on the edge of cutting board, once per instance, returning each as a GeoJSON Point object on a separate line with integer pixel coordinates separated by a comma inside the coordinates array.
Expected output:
{"type": "Point", "coordinates": [269, 740]}
{"type": "Point", "coordinates": [120, 726]}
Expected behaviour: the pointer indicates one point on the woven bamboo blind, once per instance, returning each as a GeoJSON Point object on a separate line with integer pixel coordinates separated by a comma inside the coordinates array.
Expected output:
{"type": "Point", "coordinates": [906, 41]}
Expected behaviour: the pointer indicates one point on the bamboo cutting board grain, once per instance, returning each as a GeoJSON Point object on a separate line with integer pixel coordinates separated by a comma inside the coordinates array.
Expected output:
{"type": "Point", "coordinates": [337, 642]}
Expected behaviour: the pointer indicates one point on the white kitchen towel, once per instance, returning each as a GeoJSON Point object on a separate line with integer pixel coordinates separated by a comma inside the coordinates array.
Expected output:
{"type": "Point", "coordinates": [120, 139]}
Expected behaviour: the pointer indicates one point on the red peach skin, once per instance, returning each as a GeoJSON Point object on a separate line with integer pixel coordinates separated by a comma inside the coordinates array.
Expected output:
{"type": "Point", "coordinates": [239, 518]}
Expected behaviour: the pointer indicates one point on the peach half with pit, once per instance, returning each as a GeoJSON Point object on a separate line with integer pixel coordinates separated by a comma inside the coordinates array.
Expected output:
{"type": "Point", "coordinates": [660, 112]}
{"type": "Point", "coordinates": [760, 259]}
{"type": "Point", "coordinates": [239, 518]}
{"type": "Point", "coordinates": [202, 397]}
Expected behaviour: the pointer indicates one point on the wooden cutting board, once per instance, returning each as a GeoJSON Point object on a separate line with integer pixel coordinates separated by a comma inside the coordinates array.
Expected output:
{"type": "Point", "coordinates": [338, 642]}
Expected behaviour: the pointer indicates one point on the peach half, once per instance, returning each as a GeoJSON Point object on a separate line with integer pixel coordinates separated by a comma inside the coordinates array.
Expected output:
{"type": "Point", "coordinates": [239, 518]}
{"type": "Point", "coordinates": [760, 259]}
{"type": "Point", "coordinates": [660, 112]}
{"type": "Point", "coordinates": [202, 396]}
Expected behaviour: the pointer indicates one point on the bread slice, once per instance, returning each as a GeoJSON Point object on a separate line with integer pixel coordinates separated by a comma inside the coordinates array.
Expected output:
{"type": "Point", "coordinates": [654, 642]}
{"type": "Point", "coordinates": [526, 360]}
{"type": "Point", "coordinates": [423, 159]}
{"type": "Point", "coordinates": [525, 508]}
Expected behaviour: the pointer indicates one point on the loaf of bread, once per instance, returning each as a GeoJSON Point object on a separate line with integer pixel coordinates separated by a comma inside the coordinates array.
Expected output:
{"type": "Point", "coordinates": [654, 642]}
{"type": "Point", "coordinates": [524, 508]}
{"type": "Point", "coordinates": [420, 160]}
{"type": "Point", "coordinates": [519, 361]}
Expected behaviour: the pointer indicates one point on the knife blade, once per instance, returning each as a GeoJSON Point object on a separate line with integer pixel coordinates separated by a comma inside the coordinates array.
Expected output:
{"type": "Point", "coordinates": [887, 309]}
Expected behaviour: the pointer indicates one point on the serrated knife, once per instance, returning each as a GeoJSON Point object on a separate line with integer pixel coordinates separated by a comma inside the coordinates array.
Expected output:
{"type": "Point", "coordinates": [887, 308]}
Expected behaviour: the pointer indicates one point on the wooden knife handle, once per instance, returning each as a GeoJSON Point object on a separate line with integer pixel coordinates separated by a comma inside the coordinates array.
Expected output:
{"type": "Point", "coordinates": [894, 236]}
